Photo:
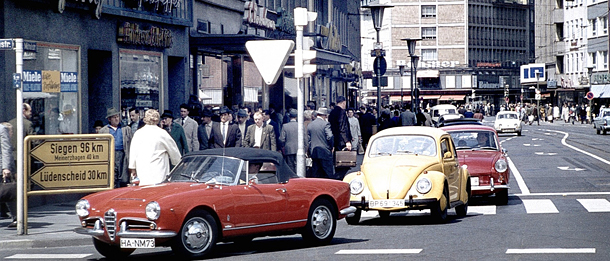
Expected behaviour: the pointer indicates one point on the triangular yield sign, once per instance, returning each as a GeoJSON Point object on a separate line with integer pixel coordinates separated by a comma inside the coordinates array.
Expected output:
{"type": "Point", "coordinates": [270, 56]}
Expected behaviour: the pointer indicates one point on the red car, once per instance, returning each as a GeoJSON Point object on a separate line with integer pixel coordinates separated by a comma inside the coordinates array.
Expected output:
{"type": "Point", "coordinates": [478, 148]}
{"type": "Point", "coordinates": [214, 195]}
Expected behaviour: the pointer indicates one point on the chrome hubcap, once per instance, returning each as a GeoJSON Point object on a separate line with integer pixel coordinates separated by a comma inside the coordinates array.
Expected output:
{"type": "Point", "coordinates": [197, 234]}
{"type": "Point", "coordinates": [321, 221]}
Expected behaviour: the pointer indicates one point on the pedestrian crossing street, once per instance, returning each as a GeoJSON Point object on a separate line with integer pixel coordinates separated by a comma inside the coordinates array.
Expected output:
{"type": "Point", "coordinates": [527, 206]}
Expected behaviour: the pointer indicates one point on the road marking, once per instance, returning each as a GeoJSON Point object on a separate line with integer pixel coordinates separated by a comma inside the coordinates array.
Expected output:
{"type": "Point", "coordinates": [568, 168]}
{"type": "Point", "coordinates": [542, 153]}
{"type": "Point", "coordinates": [481, 210]}
{"type": "Point", "coordinates": [518, 177]}
{"type": "Point", "coordinates": [595, 205]}
{"type": "Point", "coordinates": [539, 206]}
{"type": "Point", "coordinates": [47, 256]}
{"type": "Point", "coordinates": [377, 251]}
{"type": "Point", "coordinates": [564, 194]}
{"type": "Point", "coordinates": [551, 251]}
{"type": "Point", "coordinates": [563, 141]}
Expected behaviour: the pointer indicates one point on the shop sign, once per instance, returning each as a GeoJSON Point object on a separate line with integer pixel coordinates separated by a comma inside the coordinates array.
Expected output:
{"type": "Point", "coordinates": [437, 64]}
{"type": "Point", "coordinates": [130, 33]}
{"type": "Point", "coordinates": [61, 6]}
{"type": "Point", "coordinates": [257, 16]}
{"type": "Point", "coordinates": [600, 78]}
{"type": "Point", "coordinates": [329, 38]}
{"type": "Point", "coordinates": [489, 65]}
{"type": "Point", "coordinates": [167, 4]}
{"type": "Point", "coordinates": [49, 81]}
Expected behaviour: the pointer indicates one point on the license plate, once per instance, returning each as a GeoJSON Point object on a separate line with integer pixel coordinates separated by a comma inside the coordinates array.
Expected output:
{"type": "Point", "coordinates": [137, 243]}
{"type": "Point", "coordinates": [386, 203]}
{"type": "Point", "coordinates": [474, 181]}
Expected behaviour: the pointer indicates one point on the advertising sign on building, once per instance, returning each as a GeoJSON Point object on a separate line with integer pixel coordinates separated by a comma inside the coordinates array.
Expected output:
{"type": "Point", "coordinates": [49, 81]}
{"type": "Point", "coordinates": [528, 73]}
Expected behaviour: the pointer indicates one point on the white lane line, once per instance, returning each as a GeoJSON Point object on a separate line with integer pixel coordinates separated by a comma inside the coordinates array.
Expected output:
{"type": "Point", "coordinates": [565, 194]}
{"type": "Point", "coordinates": [481, 210]}
{"type": "Point", "coordinates": [551, 251]}
{"type": "Point", "coordinates": [47, 256]}
{"type": "Point", "coordinates": [518, 177]}
{"type": "Point", "coordinates": [377, 251]}
{"type": "Point", "coordinates": [595, 205]}
{"type": "Point", "coordinates": [563, 141]}
{"type": "Point", "coordinates": [539, 206]}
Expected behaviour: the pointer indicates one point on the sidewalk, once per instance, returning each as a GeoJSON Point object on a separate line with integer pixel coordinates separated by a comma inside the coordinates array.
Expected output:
{"type": "Point", "coordinates": [48, 226]}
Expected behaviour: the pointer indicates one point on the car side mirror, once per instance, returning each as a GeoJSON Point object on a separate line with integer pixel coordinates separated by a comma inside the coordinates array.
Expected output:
{"type": "Point", "coordinates": [447, 155]}
{"type": "Point", "coordinates": [504, 151]}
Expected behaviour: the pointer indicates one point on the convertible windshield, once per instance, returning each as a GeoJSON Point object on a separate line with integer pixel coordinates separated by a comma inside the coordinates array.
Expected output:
{"type": "Point", "coordinates": [207, 169]}
{"type": "Point", "coordinates": [407, 144]}
{"type": "Point", "coordinates": [485, 140]}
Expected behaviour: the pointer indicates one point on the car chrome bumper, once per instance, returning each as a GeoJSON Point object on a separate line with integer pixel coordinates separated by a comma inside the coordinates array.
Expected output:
{"type": "Point", "coordinates": [347, 211]}
{"type": "Point", "coordinates": [490, 188]}
{"type": "Point", "coordinates": [98, 231]}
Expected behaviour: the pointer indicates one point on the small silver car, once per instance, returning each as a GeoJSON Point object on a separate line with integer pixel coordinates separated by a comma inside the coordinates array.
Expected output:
{"type": "Point", "coordinates": [508, 121]}
{"type": "Point", "coordinates": [601, 123]}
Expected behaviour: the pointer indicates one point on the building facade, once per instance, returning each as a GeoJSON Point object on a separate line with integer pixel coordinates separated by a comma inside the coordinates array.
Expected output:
{"type": "Point", "coordinates": [469, 50]}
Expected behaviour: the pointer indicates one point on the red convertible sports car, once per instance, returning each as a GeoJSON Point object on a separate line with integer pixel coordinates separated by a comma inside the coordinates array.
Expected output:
{"type": "Point", "coordinates": [214, 195]}
{"type": "Point", "coordinates": [479, 149]}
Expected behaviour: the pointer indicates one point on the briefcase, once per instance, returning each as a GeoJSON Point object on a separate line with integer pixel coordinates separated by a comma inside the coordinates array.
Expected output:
{"type": "Point", "coordinates": [345, 158]}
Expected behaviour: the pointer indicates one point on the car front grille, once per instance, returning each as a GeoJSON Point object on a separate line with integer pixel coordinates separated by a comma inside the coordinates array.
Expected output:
{"type": "Point", "coordinates": [110, 221]}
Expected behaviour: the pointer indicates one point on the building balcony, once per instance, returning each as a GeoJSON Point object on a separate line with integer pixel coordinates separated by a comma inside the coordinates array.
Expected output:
{"type": "Point", "coordinates": [558, 15]}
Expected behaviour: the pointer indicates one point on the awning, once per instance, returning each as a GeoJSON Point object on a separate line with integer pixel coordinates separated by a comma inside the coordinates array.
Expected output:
{"type": "Point", "coordinates": [601, 91]}
{"type": "Point", "coordinates": [454, 97]}
{"type": "Point", "coordinates": [431, 97]}
{"type": "Point", "coordinates": [428, 74]}
{"type": "Point", "coordinates": [397, 98]}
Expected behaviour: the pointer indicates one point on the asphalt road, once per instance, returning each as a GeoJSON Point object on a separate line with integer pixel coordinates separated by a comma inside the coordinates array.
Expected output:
{"type": "Point", "coordinates": [558, 209]}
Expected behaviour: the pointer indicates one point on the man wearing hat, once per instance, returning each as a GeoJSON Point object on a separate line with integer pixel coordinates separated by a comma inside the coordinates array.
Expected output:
{"type": "Point", "coordinates": [320, 143]}
{"type": "Point", "coordinates": [260, 135]}
{"type": "Point", "coordinates": [225, 133]}
{"type": "Point", "coordinates": [289, 140]}
{"type": "Point", "coordinates": [242, 123]}
{"type": "Point", "coordinates": [122, 141]}
{"type": "Point", "coordinates": [205, 129]}
{"type": "Point", "coordinates": [175, 130]}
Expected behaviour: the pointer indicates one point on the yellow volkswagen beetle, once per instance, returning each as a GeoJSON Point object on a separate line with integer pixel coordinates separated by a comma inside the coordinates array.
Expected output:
{"type": "Point", "coordinates": [410, 168]}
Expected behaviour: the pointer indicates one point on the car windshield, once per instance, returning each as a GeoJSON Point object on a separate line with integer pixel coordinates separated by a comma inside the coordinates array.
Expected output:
{"type": "Point", "coordinates": [507, 116]}
{"type": "Point", "coordinates": [474, 140]}
{"type": "Point", "coordinates": [606, 114]}
{"type": "Point", "coordinates": [405, 144]}
{"type": "Point", "coordinates": [207, 169]}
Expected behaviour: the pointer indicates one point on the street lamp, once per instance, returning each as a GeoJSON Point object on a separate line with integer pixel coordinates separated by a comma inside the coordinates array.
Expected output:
{"type": "Point", "coordinates": [590, 73]}
{"type": "Point", "coordinates": [536, 96]}
{"type": "Point", "coordinates": [378, 52]}
{"type": "Point", "coordinates": [411, 43]}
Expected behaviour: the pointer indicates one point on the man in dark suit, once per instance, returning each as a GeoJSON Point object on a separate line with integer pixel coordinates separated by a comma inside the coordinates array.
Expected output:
{"type": "Point", "coordinates": [204, 131]}
{"type": "Point", "coordinates": [320, 146]}
{"type": "Point", "coordinates": [339, 125]}
{"type": "Point", "coordinates": [225, 133]}
{"type": "Point", "coordinates": [289, 140]}
{"type": "Point", "coordinates": [366, 126]}
{"type": "Point", "coordinates": [260, 135]}
{"type": "Point", "coordinates": [408, 118]}
{"type": "Point", "coordinates": [175, 130]}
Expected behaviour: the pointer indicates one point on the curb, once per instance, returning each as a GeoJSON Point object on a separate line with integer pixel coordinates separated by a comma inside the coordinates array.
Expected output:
{"type": "Point", "coordinates": [56, 241]}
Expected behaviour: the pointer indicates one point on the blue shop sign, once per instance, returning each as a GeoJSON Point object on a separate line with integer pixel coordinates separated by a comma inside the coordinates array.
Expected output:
{"type": "Point", "coordinates": [32, 81]}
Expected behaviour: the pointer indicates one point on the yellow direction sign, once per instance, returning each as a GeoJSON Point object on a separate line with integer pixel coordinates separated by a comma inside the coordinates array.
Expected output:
{"type": "Point", "coordinates": [72, 177]}
{"type": "Point", "coordinates": [71, 151]}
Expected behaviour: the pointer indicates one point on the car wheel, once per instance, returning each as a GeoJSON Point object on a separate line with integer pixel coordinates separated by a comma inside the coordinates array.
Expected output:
{"type": "Point", "coordinates": [502, 197]}
{"type": "Point", "coordinates": [519, 133]}
{"type": "Point", "coordinates": [598, 132]}
{"type": "Point", "coordinates": [462, 210]}
{"type": "Point", "coordinates": [321, 223]}
{"type": "Point", "coordinates": [111, 251]}
{"type": "Point", "coordinates": [604, 131]}
{"type": "Point", "coordinates": [197, 236]}
{"type": "Point", "coordinates": [355, 219]}
{"type": "Point", "coordinates": [439, 210]}
{"type": "Point", "coordinates": [384, 214]}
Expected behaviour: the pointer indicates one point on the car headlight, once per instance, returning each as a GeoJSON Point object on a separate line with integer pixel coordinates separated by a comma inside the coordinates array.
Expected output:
{"type": "Point", "coordinates": [356, 186]}
{"type": "Point", "coordinates": [153, 210]}
{"type": "Point", "coordinates": [423, 185]}
{"type": "Point", "coordinates": [501, 165]}
{"type": "Point", "coordinates": [82, 208]}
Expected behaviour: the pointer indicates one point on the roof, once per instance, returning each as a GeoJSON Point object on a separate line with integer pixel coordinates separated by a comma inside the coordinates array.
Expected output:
{"type": "Point", "coordinates": [412, 130]}
{"type": "Point", "coordinates": [506, 112]}
{"type": "Point", "coordinates": [459, 121]}
{"type": "Point", "coordinates": [467, 127]}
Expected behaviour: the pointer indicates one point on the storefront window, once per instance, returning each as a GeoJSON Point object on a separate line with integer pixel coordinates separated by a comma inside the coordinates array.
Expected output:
{"type": "Point", "coordinates": [51, 85]}
{"type": "Point", "coordinates": [140, 81]}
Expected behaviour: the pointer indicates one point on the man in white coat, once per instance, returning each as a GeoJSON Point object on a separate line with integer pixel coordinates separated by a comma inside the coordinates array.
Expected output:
{"type": "Point", "coordinates": [152, 150]}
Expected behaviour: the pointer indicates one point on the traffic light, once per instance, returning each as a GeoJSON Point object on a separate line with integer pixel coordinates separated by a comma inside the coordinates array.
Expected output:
{"type": "Point", "coordinates": [303, 53]}
{"type": "Point", "coordinates": [307, 55]}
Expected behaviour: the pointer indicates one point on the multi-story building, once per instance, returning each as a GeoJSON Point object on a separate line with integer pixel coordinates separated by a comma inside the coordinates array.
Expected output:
{"type": "Point", "coordinates": [470, 50]}
{"type": "Point", "coordinates": [597, 49]}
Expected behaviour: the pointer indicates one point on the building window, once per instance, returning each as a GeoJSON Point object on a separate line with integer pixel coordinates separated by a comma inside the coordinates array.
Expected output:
{"type": "Point", "coordinates": [429, 55]}
{"type": "Point", "coordinates": [604, 24]}
{"type": "Point", "coordinates": [428, 11]}
{"type": "Point", "coordinates": [593, 59]}
{"type": "Point", "coordinates": [593, 25]}
{"type": "Point", "coordinates": [54, 90]}
{"type": "Point", "coordinates": [428, 32]}
{"type": "Point", "coordinates": [141, 79]}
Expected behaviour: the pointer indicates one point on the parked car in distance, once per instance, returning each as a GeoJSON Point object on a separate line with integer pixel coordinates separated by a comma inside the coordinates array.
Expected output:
{"type": "Point", "coordinates": [478, 149]}
{"type": "Point", "coordinates": [409, 168]}
{"type": "Point", "coordinates": [508, 121]}
{"type": "Point", "coordinates": [601, 123]}
{"type": "Point", "coordinates": [214, 195]}
{"type": "Point", "coordinates": [443, 109]}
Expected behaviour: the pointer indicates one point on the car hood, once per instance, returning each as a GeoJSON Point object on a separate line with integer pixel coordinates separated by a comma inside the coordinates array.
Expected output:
{"type": "Point", "coordinates": [392, 177]}
{"type": "Point", "coordinates": [478, 161]}
{"type": "Point", "coordinates": [141, 195]}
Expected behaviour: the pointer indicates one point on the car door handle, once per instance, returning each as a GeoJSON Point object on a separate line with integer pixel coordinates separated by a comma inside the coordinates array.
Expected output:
{"type": "Point", "coordinates": [283, 190]}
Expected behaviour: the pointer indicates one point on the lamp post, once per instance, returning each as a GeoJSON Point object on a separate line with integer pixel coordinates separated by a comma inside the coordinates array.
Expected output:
{"type": "Point", "coordinates": [590, 73]}
{"type": "Point", "coordinates": [411, 43]}
{"type": "Point", "coordinates": [537, 96]}
{"type": "Point", "coordinates": [378, 52]}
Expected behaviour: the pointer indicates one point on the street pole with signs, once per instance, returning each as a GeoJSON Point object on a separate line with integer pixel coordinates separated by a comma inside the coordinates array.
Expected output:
{"type": "Point", "coordinates": [411, 44]}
